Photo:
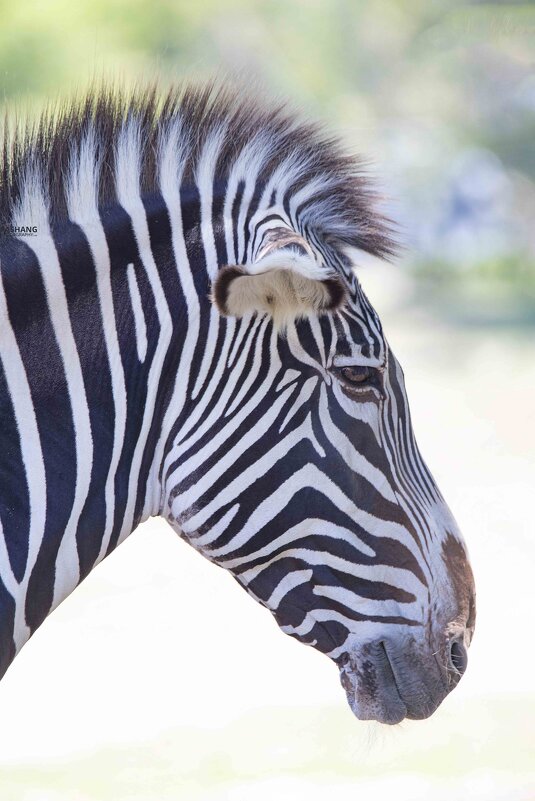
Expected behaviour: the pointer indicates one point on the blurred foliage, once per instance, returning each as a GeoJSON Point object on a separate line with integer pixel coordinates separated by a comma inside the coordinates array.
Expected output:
{"type": "Point", "coordinates": [439, 94]}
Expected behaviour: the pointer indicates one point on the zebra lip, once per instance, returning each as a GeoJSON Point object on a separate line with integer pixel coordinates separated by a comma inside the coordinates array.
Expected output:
{"type": "Point", "coordinates": [384, 681]}
{"type": "Point", "coordinates": [371, 687]}
{"type": "Point", "coordinates": [418, 680]}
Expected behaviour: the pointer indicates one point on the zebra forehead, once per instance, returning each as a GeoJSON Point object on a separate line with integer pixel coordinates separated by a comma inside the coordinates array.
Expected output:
{"type": "Point", "coordinates": [198, 134]}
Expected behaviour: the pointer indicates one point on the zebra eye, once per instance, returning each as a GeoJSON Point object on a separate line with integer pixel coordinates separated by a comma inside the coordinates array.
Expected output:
{"type": "Point", "coordinates": [356, 375]}
{"type": "Point", "coordinates": [360, 380]}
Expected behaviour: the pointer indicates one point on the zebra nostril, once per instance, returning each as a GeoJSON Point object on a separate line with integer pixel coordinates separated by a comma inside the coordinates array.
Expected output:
{"type": "Point", "coordinates": [458, 656]}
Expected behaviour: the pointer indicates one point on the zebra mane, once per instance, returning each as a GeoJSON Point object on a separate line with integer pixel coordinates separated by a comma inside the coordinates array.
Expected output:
{"type": "Point", "coordinates": [341, 204]}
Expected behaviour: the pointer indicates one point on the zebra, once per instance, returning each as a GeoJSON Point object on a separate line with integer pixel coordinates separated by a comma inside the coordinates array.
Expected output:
{"type": "Point", "coordinates": [183, 333]}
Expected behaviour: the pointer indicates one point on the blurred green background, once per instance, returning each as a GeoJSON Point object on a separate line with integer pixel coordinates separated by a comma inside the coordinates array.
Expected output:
{"type": "Point", "coordinates": [440, 95]}
{"type": "Point", "coordinates": [142, 685]}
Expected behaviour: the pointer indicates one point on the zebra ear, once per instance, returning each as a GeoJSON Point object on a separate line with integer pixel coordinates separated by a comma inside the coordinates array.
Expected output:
{"type": "Point", "coordinates": [286, 282]}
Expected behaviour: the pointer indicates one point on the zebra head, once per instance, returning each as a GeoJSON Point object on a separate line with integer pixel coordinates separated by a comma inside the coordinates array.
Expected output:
{"type": "Point", "coordinates": [185, 335]}
{"type": "Point", "coordinates": [301, 476]}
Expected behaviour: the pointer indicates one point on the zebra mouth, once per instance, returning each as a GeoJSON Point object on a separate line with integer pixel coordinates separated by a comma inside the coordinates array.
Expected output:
{"type": "Point", "coordinates": [370, 685]}
{"type": "Point", "coordinates": [388, 682]}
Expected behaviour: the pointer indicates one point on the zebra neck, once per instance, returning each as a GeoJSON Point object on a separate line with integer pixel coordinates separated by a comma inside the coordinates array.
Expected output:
{"type": "Point", "coordinates": [88, 355]}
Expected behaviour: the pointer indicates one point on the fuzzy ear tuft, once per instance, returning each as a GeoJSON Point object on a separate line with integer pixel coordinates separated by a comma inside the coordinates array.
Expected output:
{"type": "Point", "coordinates": [283, 293]}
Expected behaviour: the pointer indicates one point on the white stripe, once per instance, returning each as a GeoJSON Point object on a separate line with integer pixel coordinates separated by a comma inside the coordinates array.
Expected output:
{"type": "Point", "coordinates": [6, 573]}
{"type": "Point", "coordinates": [205, 180]}
{"type": "Point", "coordinates": [244, 333]}
{"type": "Point", "coordinates": [33, 206]}
{"type": "Point", "coordinates": [215, 531]}
{"type": "Point", "coordinates": [32, 457]}
{"type": "Point", "coordinates": [171, 161]}
{"type": "Point", "coordinates": [370, 607]}
{"type": "Point", "coordinates": [286, 584]}
{"type": "Point", "coordinates": [288, 378]}
{"type": "Point", "coordinates": [82, 204]}
{"type": "Point", "coordinates": [308, 527]}
{"type": "Point", "coordinates": [304, 396]}
{"type": "Point", "coordinates": [128, 158]}
{"type": "Point", "coordinates": [248, 380]}
{"type": "Point", "coordinates": [139, 316]}
{"type": "Point", "coordinates": [395, 576]}
{"type": "Point", "coordinates": [67, 563]}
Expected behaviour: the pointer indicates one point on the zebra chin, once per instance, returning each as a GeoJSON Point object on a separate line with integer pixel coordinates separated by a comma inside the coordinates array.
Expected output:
{"type": "Point", "coordinates": [388, 680]}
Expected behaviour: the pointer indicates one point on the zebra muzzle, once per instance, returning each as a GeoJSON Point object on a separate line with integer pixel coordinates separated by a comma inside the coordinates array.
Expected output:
{"type": "Point", "coordinates": [389, 681]}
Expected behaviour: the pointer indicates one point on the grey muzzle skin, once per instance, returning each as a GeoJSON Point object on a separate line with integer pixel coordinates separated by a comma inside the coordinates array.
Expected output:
{"type": "Point", "coordinates": [391, 679]}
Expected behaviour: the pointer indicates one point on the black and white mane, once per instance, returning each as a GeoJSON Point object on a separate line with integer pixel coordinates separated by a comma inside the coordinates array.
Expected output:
{"type": "Point", "coordinates": [344, 205]}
